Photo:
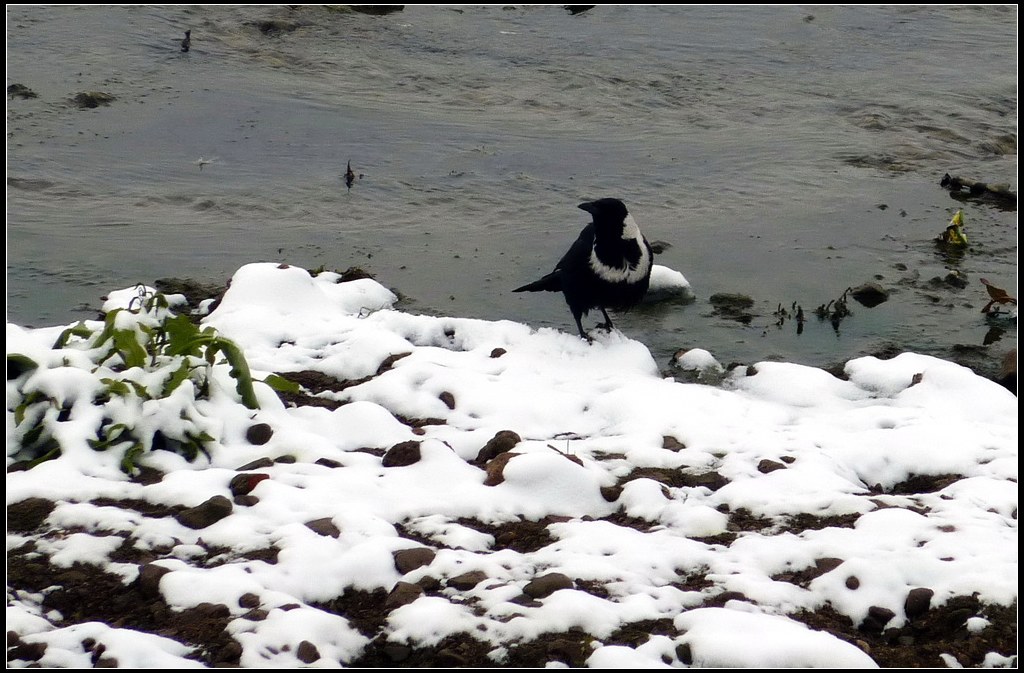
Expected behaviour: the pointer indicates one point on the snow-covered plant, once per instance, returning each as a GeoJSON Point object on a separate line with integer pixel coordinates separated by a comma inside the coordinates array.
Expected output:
{"type": "Point", "coordinates": [147, 367]}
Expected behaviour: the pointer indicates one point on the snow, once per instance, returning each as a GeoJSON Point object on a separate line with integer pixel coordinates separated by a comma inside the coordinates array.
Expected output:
{"type": "Point", "coordinates": [589, 415]}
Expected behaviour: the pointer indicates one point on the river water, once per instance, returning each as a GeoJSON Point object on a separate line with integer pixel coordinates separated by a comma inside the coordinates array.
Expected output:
{"type": "Point", "coordinates": [785, 153]}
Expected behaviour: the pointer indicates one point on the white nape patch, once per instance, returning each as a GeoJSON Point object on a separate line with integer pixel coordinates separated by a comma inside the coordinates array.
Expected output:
{"type": "Point", "coordinates": [627, 273]}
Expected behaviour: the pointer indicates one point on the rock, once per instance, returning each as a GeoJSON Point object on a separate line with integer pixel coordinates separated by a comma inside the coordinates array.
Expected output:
{"type": "Point", "coordinates": [684, 653]}
{"type": "Point", "coordinates": [26, 652]}
{"type": "Point", "coordinates": [870, 294]}
{"type": "Point", "coordinates": [501, 442]}
{"type": "Point", "coordinates": [248, 600]}
{"type": "Point", "coordinates": [448, 399]}
{"type": "Point", "coordinates": [396, 652]}
{"type": "Point", "coordinates": [403, 594]}
{"type": "Point", "coordinates": [307, 652]}
{"type": "Point", "coordinates": [407, 560]}
{"type": "Point", "coordinates": [545, 585]}
{"type": "Point", "coordinates": [259, 434]}
{"type": "Point", "coordinates": [876, 618]}
{"type": "Point", "coordinates": [402, 454]}
{"type": "Point", "coordinates": [611, 493]}
{"type": "Point", "coordinates": [852, 583]}
{"type": "Point", "coordinates": [918, 601]}
{"type": "Point", "coordinates": [671, 443]}
{"type": "Point", "coordinates": [766, 465]}
{"type": "Point", "coordinates": [258, 464]}
{"type": "Point", "coordinates": [324, 527]}
{"type": "Point", "coordinates": [148, 580]}
{"type": "Point", "coordinates": [20, 91]}
{"type": "Point", "coordinates": [92, 99]}
{"type": "Point", "coordinates": [467, 580]}
{"type": "Point", "coordinates": [732, 306]}
{"type": "Point", "coordinates": [243, 484]}
{"type": "Point", "coordinates": [496, 468]}
{"type": "Point", "coordinates": [498, 352]}
{"type": "Point", "coordinates": [245, 500]}
{"type": "Point", "coordinates": [206, 513]}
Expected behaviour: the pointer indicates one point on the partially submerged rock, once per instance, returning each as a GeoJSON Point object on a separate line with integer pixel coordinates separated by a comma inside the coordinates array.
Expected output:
{"type": "Point", "coordinates": [963, 189]}
{"type": "Point", "coordinates": [88, 100]}
{"type": "Point", "coordinates": [870, 294]}
{"type": "Point", "coordinates": [20, 91]}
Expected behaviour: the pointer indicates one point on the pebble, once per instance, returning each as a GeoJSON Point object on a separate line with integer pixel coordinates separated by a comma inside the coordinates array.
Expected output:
{"type": "Point", "coordinates": [918, 601]}
{"type": "Point", "coordinates": [403, 594]}
{"type": "Point", "coordinates": [501, 442]}
{"type": "Point", "coordinates": [307, 652]}
{"type": "Point", "coordinates": [545, 585]}
{"type": "Point", "coordinates": [206, 513]}
{"type": "Point", "coordinates": [324, 527]}
{"type": "Point", "coordinates": [402, 454]}
{"type": "Point", "coordinates": [407, 560]}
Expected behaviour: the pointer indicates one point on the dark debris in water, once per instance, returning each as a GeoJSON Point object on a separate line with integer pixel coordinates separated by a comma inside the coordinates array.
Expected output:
{"type": "Point", "coordinates": [964, 189]}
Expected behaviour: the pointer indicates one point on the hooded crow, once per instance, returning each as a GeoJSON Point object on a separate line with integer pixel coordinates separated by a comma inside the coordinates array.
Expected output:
{"type": "Point", "coordinates": [609, 265]}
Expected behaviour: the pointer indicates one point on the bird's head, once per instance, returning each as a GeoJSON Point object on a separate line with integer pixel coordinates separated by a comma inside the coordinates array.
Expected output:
{"type": "Point", "coordinates": [607, 212]}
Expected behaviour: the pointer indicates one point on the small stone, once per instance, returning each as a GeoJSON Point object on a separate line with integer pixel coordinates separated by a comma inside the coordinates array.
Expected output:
{"type": "Point", "coordinates": [852, 583]}
{"type": "Point", "coordinates": [496, 468]}
{"type": "Point", "coordinates": [407, 560]}
{"type": "Point", "coordinates": [26, 652]}
{"type": "Point", "coordinates": [545, 585]}
{"type": "Point", "coordinates": [231, 652]}
{"type": "Point", "coordinates": [149, 579]}
{"type": "Point", "coordinates": [684, 653]}
{"type": "Point", "coordinates": [258, 464]}
{"type": "Point", "coordinates": [245, 500]}
{"type": "Point", "coordinates": [877, 618]}
{"type": "Point", "coordinates": [396, 652]}
{"type": "Point", "coordinates": [248, 600]}
{"type": "Point", "coordinates": [259, 434]}
{"type": "Point", "coordinates": [328, 462]}
{"type": "Point", "coordinates": [256, 615]}
{"type": "Point", "coordinates": [448, 399]}
{"type": "Point", "coordinates": [498, 352]}
{"type": "Point", "coordinates": [467, 580]}
{"type": "Point", "coordinates": [870, 294]}
{"type": "Point", "coordinates": [918, 601]}
{"type": "Point", "coordinates": [402, 454]}
{"type": "Point", "coordinates": [766, 465]}
{"type": "Point", "coordinates": [243, 484]}
{"type": "Point", "coordinates": [403, 594]}
{"type": "Point", "coordinates": [92, 99]}
{"type": "Point", "coordinates": [285, 460]}
{"type": "Point", "coordinates": [611, 493]}
{"type": "Point", "coordinates": [324, 527]}
{"type": "Point", "coordinates": [307, 652]}
{"type": "Point", "coordinates": [429, 583]}
{"type": "Point", "coordinates": [827, 564]}
{"type": "Point", "coordinates": [206, 513]}
{"type": "Point", "coordinates": [501, 442]}
{"type": "Point", "coordinates": [671, 443]}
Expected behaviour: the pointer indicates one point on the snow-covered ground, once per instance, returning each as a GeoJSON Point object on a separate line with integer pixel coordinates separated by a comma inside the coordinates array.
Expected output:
{"type": "Point", "coordinates": [656, 495]}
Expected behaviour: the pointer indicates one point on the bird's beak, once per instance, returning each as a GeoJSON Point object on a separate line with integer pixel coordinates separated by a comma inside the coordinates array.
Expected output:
{"type": "Point", "coordinates": [588, 206]}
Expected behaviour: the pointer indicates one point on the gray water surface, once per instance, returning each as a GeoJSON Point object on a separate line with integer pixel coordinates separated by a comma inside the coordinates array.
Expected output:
{"type": "Point", "coordinates": [786, 153]}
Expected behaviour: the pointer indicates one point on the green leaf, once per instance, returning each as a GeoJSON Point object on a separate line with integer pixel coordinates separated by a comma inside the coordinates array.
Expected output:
{"type": "Point", "coordinates": [131, 454]}
{"type": "Point", "coordinates": [133, 354]}
{"type": "Point", "coordinates": [179, 376]}
{"type": "Point", "coordinates": [79, 330]}
{"type": "Point", "coordinates": [239, 370]}
{"type": "Point", "coordinates": [18, 364]}
{"type": "Point", "coordinates": [281, 384]}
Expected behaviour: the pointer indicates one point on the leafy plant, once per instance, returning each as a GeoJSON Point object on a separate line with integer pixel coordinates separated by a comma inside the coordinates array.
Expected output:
{"type": "Point", "coordinates": [141, 357]}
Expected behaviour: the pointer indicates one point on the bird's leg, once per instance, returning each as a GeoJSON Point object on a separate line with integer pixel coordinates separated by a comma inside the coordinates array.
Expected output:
{"type": "Point", "coordinates": [607, 324]}
{"type": "Point", "coordinates": [579, 325]}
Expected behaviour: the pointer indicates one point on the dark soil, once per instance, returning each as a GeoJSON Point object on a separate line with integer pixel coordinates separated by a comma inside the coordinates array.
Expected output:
{"type": "Point", "coordinates": [84, 593]}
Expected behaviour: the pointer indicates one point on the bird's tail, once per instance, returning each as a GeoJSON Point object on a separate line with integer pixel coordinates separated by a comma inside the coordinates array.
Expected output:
{"type": "Point", "coordinates": [549, 283]}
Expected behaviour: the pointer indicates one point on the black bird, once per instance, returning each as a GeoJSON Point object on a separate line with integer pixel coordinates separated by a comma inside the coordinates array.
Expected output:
{"type": "Point", "coordinates": [350, 175]}
{"type": "Point", "coordinates": [186, 44]}
{"type": "Point", "coordinates": [609, 265]}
